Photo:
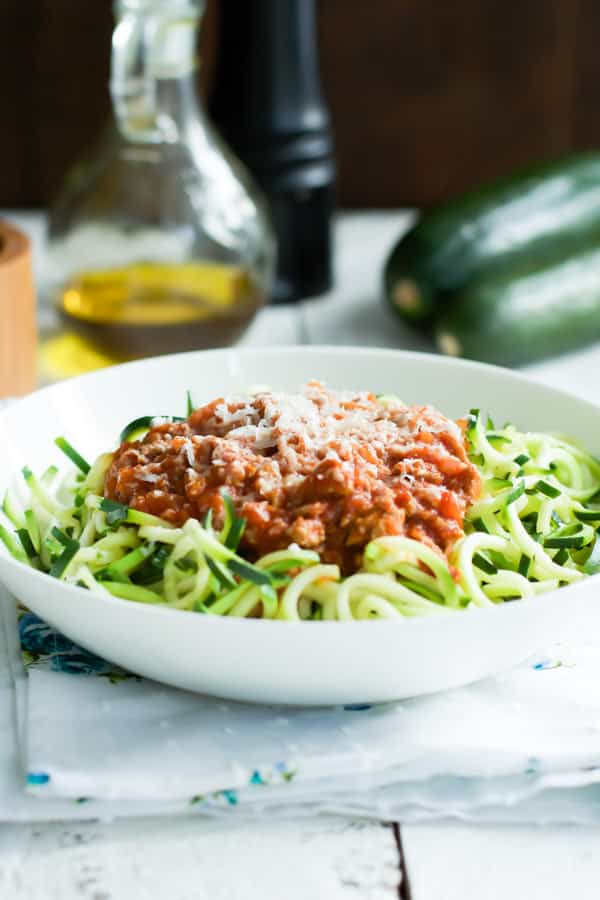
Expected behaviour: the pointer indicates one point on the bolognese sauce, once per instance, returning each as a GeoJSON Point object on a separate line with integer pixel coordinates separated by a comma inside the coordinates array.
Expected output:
{"type": "Point", "coordinates": [327, 470]}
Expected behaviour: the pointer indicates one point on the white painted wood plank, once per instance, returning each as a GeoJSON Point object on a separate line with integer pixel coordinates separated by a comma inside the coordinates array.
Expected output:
{"type": "Point", "coordinates": [183, 859]}
{"type": "Point", "coordinates": [461, 862]}
{"type": "Point", "coordinates": [577, 372]}
{"type": "Point", "coordinates": [354, 312]}
{"type": "Point", "coordinates": [274, 325]}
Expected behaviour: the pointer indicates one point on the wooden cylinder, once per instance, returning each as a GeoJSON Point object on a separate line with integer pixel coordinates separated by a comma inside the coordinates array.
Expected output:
{"type": "Point", "coordinates": [18, 335]}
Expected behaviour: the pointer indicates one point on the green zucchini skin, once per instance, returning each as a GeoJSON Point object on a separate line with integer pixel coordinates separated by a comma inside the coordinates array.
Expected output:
{"type": "Point", "coordinates": [526, 315]}
{"type": "Point", "coordinates": [534, 214]}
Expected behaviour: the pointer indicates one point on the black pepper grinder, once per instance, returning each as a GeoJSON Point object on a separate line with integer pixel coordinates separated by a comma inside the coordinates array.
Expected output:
{"type": "Point", "coordinates": [267, 103]}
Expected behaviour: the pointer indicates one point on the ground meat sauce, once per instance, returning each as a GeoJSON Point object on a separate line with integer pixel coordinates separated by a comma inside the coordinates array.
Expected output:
{"type": "Point", "coordinates": [327, 470]}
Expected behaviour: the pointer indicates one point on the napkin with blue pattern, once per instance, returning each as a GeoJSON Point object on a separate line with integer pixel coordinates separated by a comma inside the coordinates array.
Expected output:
{"type": "Point", "coordinates": [80, 738]}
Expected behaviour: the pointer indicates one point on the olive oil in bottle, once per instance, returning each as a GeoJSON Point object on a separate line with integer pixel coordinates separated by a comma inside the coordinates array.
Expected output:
{"type": "Point", "coordinates": [150, 308]}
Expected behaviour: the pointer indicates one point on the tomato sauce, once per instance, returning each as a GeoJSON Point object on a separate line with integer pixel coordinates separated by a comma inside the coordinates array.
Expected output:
{"type": "Point", "coordinates": [326, 470]}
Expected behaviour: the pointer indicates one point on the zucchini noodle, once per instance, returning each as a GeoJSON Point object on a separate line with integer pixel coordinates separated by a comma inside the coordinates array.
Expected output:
{"type": "Point", "coordinates": [533, 528]}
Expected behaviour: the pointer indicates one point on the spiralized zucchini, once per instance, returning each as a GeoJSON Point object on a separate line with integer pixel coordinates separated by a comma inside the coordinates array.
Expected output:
{"type": "Point", "coordinates": [533, 529]}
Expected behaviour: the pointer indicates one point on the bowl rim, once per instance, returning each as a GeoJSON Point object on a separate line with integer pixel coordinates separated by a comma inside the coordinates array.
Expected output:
{"type": "Point", "coordinates": [431, 359]}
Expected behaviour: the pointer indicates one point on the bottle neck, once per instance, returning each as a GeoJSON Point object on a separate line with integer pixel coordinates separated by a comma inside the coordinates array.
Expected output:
{"type": "Point", "coordinates": [153, 68]}
{"type": "Point", "coordinates": [177, 104]}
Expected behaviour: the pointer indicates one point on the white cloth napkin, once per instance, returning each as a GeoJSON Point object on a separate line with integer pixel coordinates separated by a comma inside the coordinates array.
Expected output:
{"type": "Point", "coordinates": [82, 740]}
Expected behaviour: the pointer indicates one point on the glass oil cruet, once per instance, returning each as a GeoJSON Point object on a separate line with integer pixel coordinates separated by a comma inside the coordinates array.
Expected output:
{"type": "Point", "coordinates": [159, 241]}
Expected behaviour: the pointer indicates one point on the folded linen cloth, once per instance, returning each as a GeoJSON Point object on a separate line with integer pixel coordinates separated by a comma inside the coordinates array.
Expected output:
{"type": "Point", "coordinates": [84, 739]}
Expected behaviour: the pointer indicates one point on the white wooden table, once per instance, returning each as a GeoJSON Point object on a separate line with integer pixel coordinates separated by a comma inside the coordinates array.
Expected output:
{"type": "Point", "coordinates": [333, 859]}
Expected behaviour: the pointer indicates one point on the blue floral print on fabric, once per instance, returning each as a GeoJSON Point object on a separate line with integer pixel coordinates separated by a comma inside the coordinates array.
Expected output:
{"type": "Point", "coordinates": [78, 663]}
{"type": "Point", "coordinates": [41, 645]}
{"type": "Point", "coordinates": [36, 778]}
{"type": "Point", "coordinates": [533, 766]}
{"type": "Point", "coordinates": [547, 664]}
{"type": "Point", "coordinates": [38, 637]}
{"type": "Point", "coordinates": [278, 773]}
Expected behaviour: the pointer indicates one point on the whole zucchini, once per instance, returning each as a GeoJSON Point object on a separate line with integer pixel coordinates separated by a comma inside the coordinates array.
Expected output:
{"type": "Point", "coordinates": [533, 311]}
{"type": "Point", "coordinates": [536, 214]}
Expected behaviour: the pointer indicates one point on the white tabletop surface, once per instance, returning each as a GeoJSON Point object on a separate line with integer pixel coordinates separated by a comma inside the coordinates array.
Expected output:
{"type": "Point", "coordinates": [193, 859]}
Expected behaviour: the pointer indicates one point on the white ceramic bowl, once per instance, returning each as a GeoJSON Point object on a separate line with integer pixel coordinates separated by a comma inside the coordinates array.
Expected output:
{"type": "Point", "coordinates": [272, 661]}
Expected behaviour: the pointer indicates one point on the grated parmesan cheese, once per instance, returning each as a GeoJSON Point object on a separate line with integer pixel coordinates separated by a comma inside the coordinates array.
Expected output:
{"type": "Point", "coordinates": [318, 418]}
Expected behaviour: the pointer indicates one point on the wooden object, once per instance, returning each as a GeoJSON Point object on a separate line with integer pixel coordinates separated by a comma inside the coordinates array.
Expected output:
{"type": "Point", "coordinates": [18, 336]}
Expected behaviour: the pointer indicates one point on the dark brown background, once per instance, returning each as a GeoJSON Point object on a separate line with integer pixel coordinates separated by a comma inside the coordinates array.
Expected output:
{"type": "Point", "coordinates": [428, 96]}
